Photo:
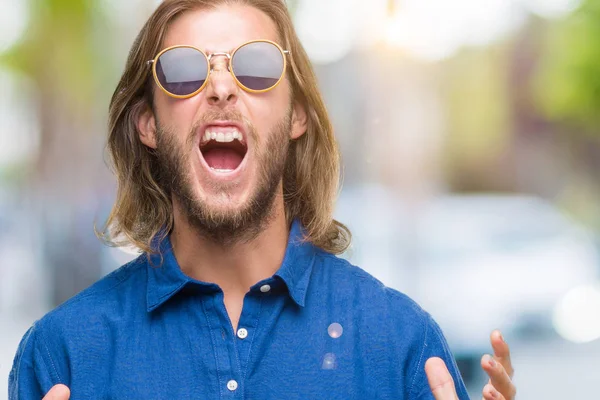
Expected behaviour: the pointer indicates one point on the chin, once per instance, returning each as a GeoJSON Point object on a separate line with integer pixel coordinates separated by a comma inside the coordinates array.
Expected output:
{"type": "Point", "coordinates": [223, 199]}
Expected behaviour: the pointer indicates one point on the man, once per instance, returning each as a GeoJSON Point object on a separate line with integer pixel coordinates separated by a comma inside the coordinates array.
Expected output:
{"type": "Point", "coordinates": [228, 169]}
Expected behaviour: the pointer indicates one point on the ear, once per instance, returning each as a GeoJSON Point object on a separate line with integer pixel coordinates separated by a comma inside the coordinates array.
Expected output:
{"type": "Point", "coordinates": [299, 120]}
{"type": "Point", "coordinates": [146, 124]}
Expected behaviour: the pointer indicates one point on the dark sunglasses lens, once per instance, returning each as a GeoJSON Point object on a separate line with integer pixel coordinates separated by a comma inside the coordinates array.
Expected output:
{"type": "Point", "coordinates": [182, 70]}
{"type": "Point", "coordinates": [258, 65]}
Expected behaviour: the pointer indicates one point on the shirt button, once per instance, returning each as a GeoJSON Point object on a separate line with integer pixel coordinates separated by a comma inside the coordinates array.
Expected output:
{"type": "Point", "coordinates": [265, 288]}
{"type": "Point", "coordinates": [232, 385]}
{"type": "Point", "coordinates": [242, 333]}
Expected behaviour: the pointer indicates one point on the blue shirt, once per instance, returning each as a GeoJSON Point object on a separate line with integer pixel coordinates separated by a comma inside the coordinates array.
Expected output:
{"type": "Point", "coordinates": [320, 328]}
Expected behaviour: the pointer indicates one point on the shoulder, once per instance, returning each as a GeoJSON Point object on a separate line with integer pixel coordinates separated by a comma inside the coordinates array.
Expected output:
{"type": "Point", "coordinates": [340, 276]}
{"type": "Point", "coordinates": [43, 356]}
{"type": "Point", "coordinates": [388, 320]}
{"type": "Point", "coordinates": [65, 328]}
{"type": "Point", "coordinates": [393, 317]}
{"type": "Point", "coordinates": [102, 296]}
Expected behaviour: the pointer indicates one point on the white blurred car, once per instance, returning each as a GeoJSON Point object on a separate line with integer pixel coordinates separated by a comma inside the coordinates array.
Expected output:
{"type": "Point", "coordinates": [475, 262]}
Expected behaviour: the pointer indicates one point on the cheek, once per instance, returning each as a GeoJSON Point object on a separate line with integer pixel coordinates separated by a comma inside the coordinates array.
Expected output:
{"type": "Point", "coordinates": [177, 114]}
{"type": "Point", "coordinates": [267, 110]}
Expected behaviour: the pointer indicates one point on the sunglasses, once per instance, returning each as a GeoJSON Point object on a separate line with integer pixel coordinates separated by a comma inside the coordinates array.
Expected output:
{"type": "Point", "coordinates": [182, 71]}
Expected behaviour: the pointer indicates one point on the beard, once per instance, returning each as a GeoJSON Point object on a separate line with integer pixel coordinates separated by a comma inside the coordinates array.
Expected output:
{"type": "Point", "coordinates": [233, 226]}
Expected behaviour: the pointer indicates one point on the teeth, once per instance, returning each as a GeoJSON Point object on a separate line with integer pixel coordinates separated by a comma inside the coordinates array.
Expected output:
{"type": "Point", "coordinates": [222, 137]}
{"type": "Point", "coordinates": [221, 170]}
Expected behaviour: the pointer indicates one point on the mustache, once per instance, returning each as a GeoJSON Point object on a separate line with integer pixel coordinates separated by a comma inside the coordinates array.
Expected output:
{"type": "Point", "coordinates": [227, 115]}
{"type": "Point", "coordinates": [222, 115]}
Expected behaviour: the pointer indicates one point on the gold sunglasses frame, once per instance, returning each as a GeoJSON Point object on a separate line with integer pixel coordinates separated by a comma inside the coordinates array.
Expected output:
{"type": "Point", "coordinates": [209, 69]}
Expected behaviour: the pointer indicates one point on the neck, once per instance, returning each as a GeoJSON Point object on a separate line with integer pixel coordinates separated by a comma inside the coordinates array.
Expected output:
{"type": "Point", "coordinates": [237, 267]}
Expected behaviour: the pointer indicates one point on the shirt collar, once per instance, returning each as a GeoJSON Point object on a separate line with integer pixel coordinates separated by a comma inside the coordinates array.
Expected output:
{"type": "Point", "coordinates": [165, 277]}
{"type": "Point", "coordinates": [297, 264]}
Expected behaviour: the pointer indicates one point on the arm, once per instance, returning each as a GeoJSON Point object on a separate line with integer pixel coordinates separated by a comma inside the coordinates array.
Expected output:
{"type": "Point", "coordinates": [435, 346]}
{"type": "Point", "coordinates": [33, 372]}
{"type": "Point", "coordinates": [22, 380]}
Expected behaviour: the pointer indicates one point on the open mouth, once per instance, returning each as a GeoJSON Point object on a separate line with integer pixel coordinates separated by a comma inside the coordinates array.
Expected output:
{"type": "Point", "coordinates": [223, 148]}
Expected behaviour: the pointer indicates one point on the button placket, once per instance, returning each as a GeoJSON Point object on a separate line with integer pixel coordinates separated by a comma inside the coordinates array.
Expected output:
{"type": "Point", "coordinates": [248, 323]}
{"type": "Point", "coordinates": [242, 333]}
{"type": "Point", "coordinates": [232, 385]}
{"type": "Point", "coordinates": [224, 347]}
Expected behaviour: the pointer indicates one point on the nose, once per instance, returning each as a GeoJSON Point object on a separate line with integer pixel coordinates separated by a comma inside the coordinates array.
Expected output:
{"type": "Point", "coordinates": [221, 89]}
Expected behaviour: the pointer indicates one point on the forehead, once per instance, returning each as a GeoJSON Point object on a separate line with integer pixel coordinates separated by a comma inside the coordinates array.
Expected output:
{"type": "Point", "coordinates": [220, 29]}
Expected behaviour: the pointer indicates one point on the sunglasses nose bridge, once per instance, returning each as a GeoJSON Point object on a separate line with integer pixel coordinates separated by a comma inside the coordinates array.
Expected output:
{"type": "Point", "coordinates": [227, 61]}
{"type": "Point", "coordinates": [220, 85]}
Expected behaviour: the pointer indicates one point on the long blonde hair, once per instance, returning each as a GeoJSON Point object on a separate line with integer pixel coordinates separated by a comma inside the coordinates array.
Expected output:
{"type": "Point", "coordinates": [311, 178]}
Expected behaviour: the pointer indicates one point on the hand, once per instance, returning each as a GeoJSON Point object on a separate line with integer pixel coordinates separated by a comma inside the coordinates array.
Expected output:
{"type": "Point", "coordinates": [440, 380]}
{"type": "Point", "coordinates": [500, 370]}
{"type": "Point", "coordinates": [58, 392]}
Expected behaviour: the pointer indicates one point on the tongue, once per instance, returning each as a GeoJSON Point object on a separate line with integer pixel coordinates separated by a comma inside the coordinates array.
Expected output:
{"type": "Point", "coordinates": [222, 159]}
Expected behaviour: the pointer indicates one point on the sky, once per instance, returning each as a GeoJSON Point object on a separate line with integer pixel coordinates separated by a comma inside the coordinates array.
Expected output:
{"type": "Point", "coordinates": [429, 30]}
{"type": "Point", "coordinates": [426, 29]}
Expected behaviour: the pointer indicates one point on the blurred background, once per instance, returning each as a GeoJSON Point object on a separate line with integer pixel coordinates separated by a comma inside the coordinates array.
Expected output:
{"type": "Point", "coordinates": [470, 132]}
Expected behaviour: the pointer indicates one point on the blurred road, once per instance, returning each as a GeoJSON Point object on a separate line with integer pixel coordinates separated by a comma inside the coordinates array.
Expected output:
{"type": "Point", "coordinates": [554, 370]}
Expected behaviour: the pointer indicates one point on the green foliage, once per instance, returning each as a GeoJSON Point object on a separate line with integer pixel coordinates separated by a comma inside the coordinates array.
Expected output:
{"type": "Point", "coordinates": [568, 84]}
{"type": "Point", "coordinates": [58, 50]}
{"type": "Point", "coordinates": [477, 101]}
